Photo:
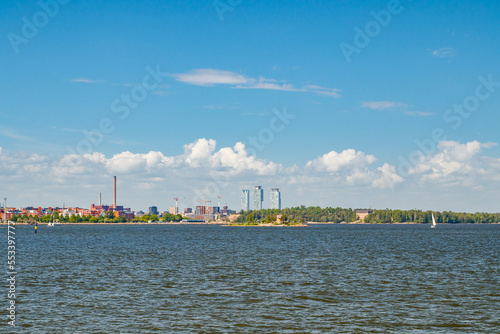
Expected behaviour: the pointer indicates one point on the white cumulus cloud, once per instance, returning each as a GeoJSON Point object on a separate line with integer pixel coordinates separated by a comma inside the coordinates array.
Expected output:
{"type": "Point", "coordinates": [334, 162]}
{"type": "Point", "coordinates": [462, 167]}
{"type": "Point", "coordinates": [453, 162]}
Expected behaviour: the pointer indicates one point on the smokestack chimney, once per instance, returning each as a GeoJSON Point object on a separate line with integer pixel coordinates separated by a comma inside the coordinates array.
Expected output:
{"type": "Point", "coordinates": [100, 199]}
{"type": "Point", "coordinates": [114, 191]}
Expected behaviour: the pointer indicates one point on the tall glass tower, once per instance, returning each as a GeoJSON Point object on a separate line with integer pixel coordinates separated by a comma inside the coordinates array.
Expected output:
{"type": "Point", "coordinates": [258, 197]}
{"type": "Point", "coordinates": [245, 200]}
{"type": "Point", "coordinates": [275, 198]}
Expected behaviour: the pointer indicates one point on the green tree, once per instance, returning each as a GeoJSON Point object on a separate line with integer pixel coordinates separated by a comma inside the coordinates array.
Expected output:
{"type": "Point", "coordinates": [119, 219]}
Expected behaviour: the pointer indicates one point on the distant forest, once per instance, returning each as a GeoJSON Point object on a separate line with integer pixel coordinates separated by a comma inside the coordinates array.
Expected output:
{"type": "Point", "coordinates": [338, 215]}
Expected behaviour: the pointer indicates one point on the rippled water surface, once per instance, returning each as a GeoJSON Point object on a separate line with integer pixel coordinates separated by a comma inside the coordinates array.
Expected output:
{"type": "Point", "coordinates": [219, 279]}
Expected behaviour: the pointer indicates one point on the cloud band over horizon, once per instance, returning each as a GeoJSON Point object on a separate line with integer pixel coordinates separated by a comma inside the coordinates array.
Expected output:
{"type": "Point", "coordinates": [453, 165]}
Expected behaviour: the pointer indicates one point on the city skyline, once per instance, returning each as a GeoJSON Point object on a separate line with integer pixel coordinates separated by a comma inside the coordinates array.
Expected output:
{"type": "Point", "coordinates": [340, 104]}
{"type": "Point", "coordinates": [258, 200]}
{"type": "Point", "coordinates": [250, 166]}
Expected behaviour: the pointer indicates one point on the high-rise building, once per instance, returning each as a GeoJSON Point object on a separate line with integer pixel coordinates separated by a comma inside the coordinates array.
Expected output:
{"type": "Point", "coordinates": [213, 210]}
{"type": "Point", "coordinates": [258, 197]}
{"type": "Point", "coordinates": [245, 200]}
{"type": "Point", "coordinates": [275, 198]}
{"type": "Point", "coordinates": [200, 210]}
{"type": "Point", "coordinates": [153, 210]}
{"type": "Point", "coordinates": [173, 210]}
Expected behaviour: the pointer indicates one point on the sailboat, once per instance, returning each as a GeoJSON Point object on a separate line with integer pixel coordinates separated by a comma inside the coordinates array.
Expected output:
{"type": "Point", "coordinates": [51, 223]}
{"type": "Point", "coordinates": [433, 221]}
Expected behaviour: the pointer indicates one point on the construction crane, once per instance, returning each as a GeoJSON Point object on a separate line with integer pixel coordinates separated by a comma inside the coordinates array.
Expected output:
{"type": "Point", "coordinates": [176, 207]}
{"type": "Point", "coordinates": [206, 211]}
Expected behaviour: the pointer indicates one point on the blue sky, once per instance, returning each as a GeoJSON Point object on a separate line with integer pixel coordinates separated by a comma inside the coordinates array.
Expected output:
{"type": "Point", "coordinates": [223, 76]}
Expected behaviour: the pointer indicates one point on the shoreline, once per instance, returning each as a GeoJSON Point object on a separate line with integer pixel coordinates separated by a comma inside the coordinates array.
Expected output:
{"type": "Point", "coordinates": [232, 224]}
{"type": "Point", "coordinates": [134, 223]}
{"type": "Point", "coordinates": [267, 225]}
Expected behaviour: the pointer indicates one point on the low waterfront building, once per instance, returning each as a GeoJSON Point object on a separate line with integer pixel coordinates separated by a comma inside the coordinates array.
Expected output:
{"type": "Point", "coordinates": [118, 211]}
{"type": "Point", "coordinates": [361, 214]}
{"type": "Point", "coordinates": [201, 217]}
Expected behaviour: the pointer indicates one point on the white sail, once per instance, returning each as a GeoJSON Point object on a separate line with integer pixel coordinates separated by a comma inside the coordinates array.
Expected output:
{"type": "Point", "coordinates": [433, 221]}
{"type": "Point", "coordinates": [51, 223]}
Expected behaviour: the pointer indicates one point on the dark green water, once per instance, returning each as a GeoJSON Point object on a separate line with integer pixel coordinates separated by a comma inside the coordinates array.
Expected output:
{"type": "Point", "coordinates": [213, 279]}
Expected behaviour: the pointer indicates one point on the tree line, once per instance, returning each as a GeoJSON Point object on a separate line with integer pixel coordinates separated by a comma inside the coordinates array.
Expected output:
{"type": "Point", "coordinates": [299, 215]}
{"type": "Point", "coordinates": [304, 214]}
{"type": "Point", "coordinates": [425, 217]}
{"type": "Point", "coordinates": [108, 217]}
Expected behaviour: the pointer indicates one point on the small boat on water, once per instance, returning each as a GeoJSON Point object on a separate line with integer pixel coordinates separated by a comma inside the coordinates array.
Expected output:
{"type": "Point", "coordinates": [433, 221]}
{"type": "Point", "coordinates": [52, 223]}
